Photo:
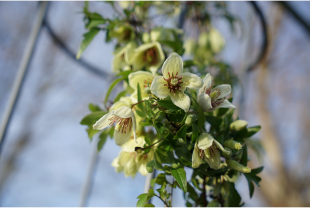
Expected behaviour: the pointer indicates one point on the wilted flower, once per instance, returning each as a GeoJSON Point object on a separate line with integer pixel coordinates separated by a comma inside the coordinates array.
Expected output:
{"type": "Point", "coordinates": [125, 121]}
{"type": "Point", "coordinates": [207, 149]}
{"type": "Point", "coordinates": [149, 55]}
{"type": "Point", "coordinates": [144, 79]}
{"type": "Point", "coordinates": [131, 162]}
{"type": "Point", "coordinates": [211, 99]}
{"type": "Point", "coordinates": [174, 82]}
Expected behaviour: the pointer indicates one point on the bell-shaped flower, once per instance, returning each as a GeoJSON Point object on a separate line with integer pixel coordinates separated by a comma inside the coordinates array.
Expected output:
{"type": "Point", "coordinates": [211, 99]}
{"type": "Point", "coordinates": [125, 124]}
{"type": "Point", "coordinates": [122, 57]}
{"type": "Point", "coordinates": [123, 33]}
{"type": "Point", "coordinates": [174, 82]}
{"type": "Point", "coordinates": [149, 55]}
{"type": "Point", "coordinates": [207, 149]}
{"type": "Point", "coordinates": [144, 79]}
{"type": "Point", "coordinates": [130, 161]}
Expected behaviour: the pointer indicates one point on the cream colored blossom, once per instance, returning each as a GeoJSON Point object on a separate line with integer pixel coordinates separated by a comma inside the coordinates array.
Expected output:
{"type": "Point", "coordinates": [144, 79]}
{"type": "Point", "coordinates": [123, 33]}
{"type": "Point", "coordinates": [124, 119]}
{"type": "Point", "coordinates": [174, 82]}
{"type": "Point", "coordinates": [207, 149]}
{"type": "Point", "coordinates": [149, 55]}
{"type": "Point", "coordinates": [131, 162]}
{"type": "Point", "coordinates": [122, 57]}
{"type": "Point", "coordinates": [211, 99]}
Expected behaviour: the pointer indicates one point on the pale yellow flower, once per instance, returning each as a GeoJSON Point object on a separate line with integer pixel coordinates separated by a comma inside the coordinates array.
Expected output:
{"type": "Point", "coordinates": [174, 82]}
{"type": "Point", "coordinates": [211, 99]}
{"type": "Point", "coordinates": [144, 79]}
{"type": "Point", "coordinates": [122, 57]}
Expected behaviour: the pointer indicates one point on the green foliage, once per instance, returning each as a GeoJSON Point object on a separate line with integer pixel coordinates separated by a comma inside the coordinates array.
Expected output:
{"type": "Point", "coordinates": [180, 176]}
{"type": "Point", "coordinates": [88, 37]}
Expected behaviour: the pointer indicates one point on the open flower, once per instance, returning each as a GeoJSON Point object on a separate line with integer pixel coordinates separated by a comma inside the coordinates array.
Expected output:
{"type": "Point", "coordinates": [125, 121]}
{"type": "Point", "coordinates": [207, 149]}
{"type": "Point", "coordinates": [174, 82]}
{"type": "Point", "coordinates": [144, 79]}
{"type": "Point", "coordinates": [149, 55]}
{"type": "Point", "coordinates": [131, 162]}
{"type": "Point", "coordinates": [211, 99]}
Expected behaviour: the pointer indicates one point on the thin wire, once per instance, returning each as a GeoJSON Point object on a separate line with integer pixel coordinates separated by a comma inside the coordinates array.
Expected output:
{"type": "Point", "coordinates": [102, 74]}
{"type": "Point", "coordinates": [22, 71]}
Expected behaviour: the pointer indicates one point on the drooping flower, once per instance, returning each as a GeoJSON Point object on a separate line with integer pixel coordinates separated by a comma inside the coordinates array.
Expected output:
{"type": "Point", "coordinates": [130, 161]}
{"type": "Point", "coordinates": [174, 82]}
{"type": "Point", "coordinates": [211, 99]}
{"type": "Point", "coordinates": [149, 55]}
{"type": "Point", "coordinates": [122, 57]}
{"type": "Point", "coordinates": [123, 33]}
{"type": "Point", "coordinates": [124, 119]}
{"type": "Point", "coordinates": [207, 149]}
{"type": "Point", "coordinates": [144, 79]}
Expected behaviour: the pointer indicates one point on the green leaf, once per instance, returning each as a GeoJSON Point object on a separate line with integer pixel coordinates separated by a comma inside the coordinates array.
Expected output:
{"type": "Point", "coordinates": [102, 139]}
{"type": "Point", "coordinates": [149, 205]}
{"type": "Point", "coordinates": [234, 198]}
{"type": "Point", "coordinates": [168, 104]}
{"type": "Point", "coordinates": [90, 119]}
{"type": "Point", "coordinates": [192, 193]}
{"type": "Point", "coordinates": [214, 121]}
{"type": "Point", "coordinates": [93, 108]}
{"type": "Point", "coordinates": [160, 179]}
{"type": "Point", "coordinates": [189, 63]}
{"type": "Point", "coordinates": [195, 134]}
{"type": "Point", "coordinates": [91, 132]}
{"type": "Point", "coordinates": [186, 162]}
{"type": "Point", "coordinates": [253, 130]}
{"type": "Point", "coordinates": [140, 106]}
{"type": "Point", "coordinates": [120, 95]}
{"type": "Point", "coordinates": [182, 132]}
{"type": "Point", "coordinates": [113, 84]}
{"type": "Point", "coordinates": [244, 158]}
{"type": "Point", "coordinates": [252, 177]}
{"type": "Point", "coordinates": [95, 23]}
{"type": "Point", "coordinates": [150, 166]}
{"type": "Point", "coordinates": [180, 177]}
{"type": "Point", "coordinates": [142, 200]}
{"type": "Point", "coordinates": [201, 115]}
{"type": "Point", "coordinates": [88, 37]}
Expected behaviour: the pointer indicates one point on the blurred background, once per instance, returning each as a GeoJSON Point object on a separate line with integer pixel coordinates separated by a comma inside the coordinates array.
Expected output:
{"type": "Point", "coordinates": [46, 153]}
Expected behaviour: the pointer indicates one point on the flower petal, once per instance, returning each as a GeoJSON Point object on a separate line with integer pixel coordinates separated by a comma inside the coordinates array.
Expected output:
{"type": "Point", "coordinates": [204, 141]}
{"type": "Point", "coordinates": [224, 104]}
{"type": "Point", "coordinates": [191, 80]}
{"type": "Point", "coordinates": [207, 81]}
{"type": "Point", "coordinates": [181, 100]}
{"type": "Point", "coordinates": [130, 145]}
{"type": "Point", "coordinates": [221, 147]}
{"type": "Point", "coordinates": [224, 89]}
{"type": "Point", "coordinates": [204, 101]}
{"type": "Point", "coordinates": [215, 160]}
{"type": "Point", "coordinates": [196, 160]}
{"type": "Point", "coordinates": [123, 112]}
{"type": "Point", "coordinates": [103, 122]}
{"type": "Point", "coordinates": [121, 138]}
{"type": "Point", "coordinates": [158, 88]}
{"type": "Point", "coordinates": [173, 64]}
{"type": "Point", "coordinates": [141, 77]}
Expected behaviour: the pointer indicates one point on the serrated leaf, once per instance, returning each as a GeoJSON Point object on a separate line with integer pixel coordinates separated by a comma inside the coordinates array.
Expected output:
{"type": "Point", "coordinates": [180, 176]}
{"type": "Point", "coordinates": [90, 119]}
{"type": "Point", "coordinates": [93, 108]}
{"type": "Point", "coordinates": [113, 84]}
{"type": "Point", "coordinates": [252, 177]}
{"type": "Point", "coordinates": [88, 37]}
{"type": "Point", "coordinates": [142, 200]}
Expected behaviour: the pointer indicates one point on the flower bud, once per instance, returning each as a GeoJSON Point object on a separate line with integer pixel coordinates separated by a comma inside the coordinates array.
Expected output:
{"type": "Point", "coordinates": [233, 144]}
{"type": "Point", "coordinates": [138, 150]}
{"type": "Point", "coordinates": [146, 37]}
{"type": "Point", "coordinates": [237, 166]}
{"type": "Point", "coordinates": [238, 125]}
{"type": "Point", "coordinates": [147, 90]}
{"type": "Point", "coordinates": [225, 154]}
{"type": "Point", "coordinates": [190, 119]}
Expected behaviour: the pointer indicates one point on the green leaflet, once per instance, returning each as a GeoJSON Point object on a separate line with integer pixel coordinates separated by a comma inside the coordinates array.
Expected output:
{"type": "Point", "coordinates": [113, 84]}
{"type": "Point", "coordinates": [88, 37]}
{"type": "Point", "coordinates": [180, 176]}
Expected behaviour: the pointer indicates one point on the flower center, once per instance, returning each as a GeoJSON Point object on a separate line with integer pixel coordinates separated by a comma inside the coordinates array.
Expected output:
{"type": "Point", "coordinates": [174, 82]}
{"type": "Point", "coordinates": [214, 94]}
{"type": "Point", "coordinates": [124, 124]}
{"type": "Point", "coordinates": [150, 56]}
{"type": "Point", "coordinates": [147, 82]}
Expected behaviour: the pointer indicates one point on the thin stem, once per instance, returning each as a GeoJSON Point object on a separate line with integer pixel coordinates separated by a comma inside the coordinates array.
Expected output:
{"type": "Point", "coordinates": [204, 193]}
{"type": "Point", "coordinates": [163, 201]}
{"type": "Point", "coordinates": [137, 103]}
{"type": "Point", "coordinates": [140, 148]}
